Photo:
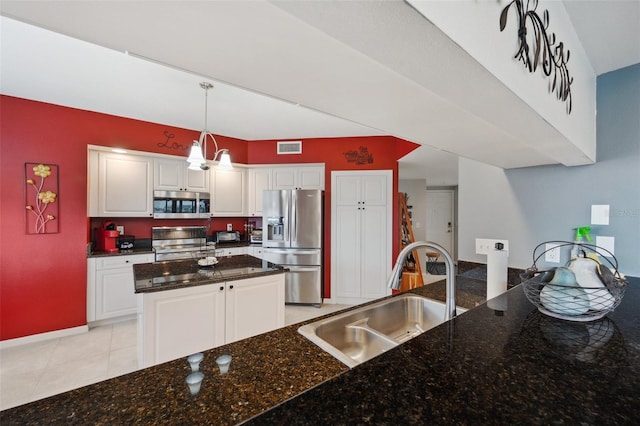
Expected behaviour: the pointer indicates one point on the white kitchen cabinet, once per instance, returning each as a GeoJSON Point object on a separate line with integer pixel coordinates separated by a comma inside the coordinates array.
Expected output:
{"type": "Point", "coordinates": [254, 306]}
{"type": "Point", "coordinates": [177, 323]}
{"type": "Point", "coordinates": [228, 192]}
{"type": "Point", "coordinates": [298, 177]}
{"type": "Point", "coordinates": [120, 185]}
{"type": "Point", "coordinates": [231, 251]}
{"type": "Point", "coordinates": [361, 235]}
{"type": "Point", "coordinates": [110, 285]}
{"type": "Point", "coordinates": [256, 251]}
{"type": "Point", "coordinates": [174, 175]}
{"type": "Point", "coordinates": [259, 181]}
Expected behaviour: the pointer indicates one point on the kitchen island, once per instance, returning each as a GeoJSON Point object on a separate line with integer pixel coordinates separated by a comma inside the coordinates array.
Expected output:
{"type": "Point", "coordinates": [484, 367]}
{"type": "Point", "coordinates": [185, 307]}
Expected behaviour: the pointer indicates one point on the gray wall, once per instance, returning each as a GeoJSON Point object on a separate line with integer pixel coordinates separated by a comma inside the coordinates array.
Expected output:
{"type": "Point", "coordinates": [531, 205]}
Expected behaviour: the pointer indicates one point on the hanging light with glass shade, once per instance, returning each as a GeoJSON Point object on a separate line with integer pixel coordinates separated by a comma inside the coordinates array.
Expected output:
{"type": "Point", "coordinates": [197, 156]}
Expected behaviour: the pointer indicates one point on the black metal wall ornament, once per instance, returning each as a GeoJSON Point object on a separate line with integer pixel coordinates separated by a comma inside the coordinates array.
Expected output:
{"type": "Point", "coordinates": [551, 56]}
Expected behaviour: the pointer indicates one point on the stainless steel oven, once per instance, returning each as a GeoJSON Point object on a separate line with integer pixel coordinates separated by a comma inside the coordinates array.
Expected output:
{"type": "Point", "coordinates": [181, 205]}
{"type": "Point", "coordinates": [180, 243]}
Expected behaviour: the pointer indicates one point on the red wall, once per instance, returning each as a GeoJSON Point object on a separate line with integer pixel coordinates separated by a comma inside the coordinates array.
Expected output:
{"type": "Point", "coordinates": [43, 277]}
{"type": "Point", "coordinates": [385, 151]}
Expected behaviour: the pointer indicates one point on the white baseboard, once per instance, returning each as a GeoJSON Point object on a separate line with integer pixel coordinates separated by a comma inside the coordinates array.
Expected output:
{"type": "Point", "coordinates": [43, 336]}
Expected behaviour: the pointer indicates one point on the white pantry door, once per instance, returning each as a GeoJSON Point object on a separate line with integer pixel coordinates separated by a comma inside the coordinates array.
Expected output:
{"type": "Point", "coordinates": [440, 226]}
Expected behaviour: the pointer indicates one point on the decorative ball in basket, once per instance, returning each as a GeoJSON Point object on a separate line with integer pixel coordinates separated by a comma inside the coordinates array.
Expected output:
{"type": "Point", "coordinates": [586, 289]}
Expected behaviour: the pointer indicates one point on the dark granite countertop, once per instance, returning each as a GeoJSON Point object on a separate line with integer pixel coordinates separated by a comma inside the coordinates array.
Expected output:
{"type": "Point", "coordinates": [143, 250]}
{"type": "Point", "coordinates": [161, 276]}
{"type": "Point", "coordinates": [483, 367]}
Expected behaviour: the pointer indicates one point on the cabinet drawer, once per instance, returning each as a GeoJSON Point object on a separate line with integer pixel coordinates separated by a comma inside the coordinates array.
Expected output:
{"type": "Point", "coordinates": [123, 261]}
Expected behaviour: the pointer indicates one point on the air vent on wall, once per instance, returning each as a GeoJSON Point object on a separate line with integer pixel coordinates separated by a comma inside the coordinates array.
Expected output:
{"type": "Point", "coordinates": [290, 147]}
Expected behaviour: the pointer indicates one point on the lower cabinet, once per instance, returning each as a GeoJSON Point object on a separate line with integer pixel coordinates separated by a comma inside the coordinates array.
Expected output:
{"type": "Point", "coordinates": [178, 323]}
{"type": "Point", "coordinates": [232, 251]}
{"type": "Point", "coordinates": [256, 251]}
{"type": "Point", "coordinates": [110, 286]}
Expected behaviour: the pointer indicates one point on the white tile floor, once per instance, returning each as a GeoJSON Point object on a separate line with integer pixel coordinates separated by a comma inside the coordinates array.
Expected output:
{"type": "Point", "coordinates": [37, 370]}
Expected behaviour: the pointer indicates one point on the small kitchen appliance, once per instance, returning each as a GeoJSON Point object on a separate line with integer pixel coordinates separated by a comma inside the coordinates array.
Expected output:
{"type": "Point", "coordinates": [106, 237]}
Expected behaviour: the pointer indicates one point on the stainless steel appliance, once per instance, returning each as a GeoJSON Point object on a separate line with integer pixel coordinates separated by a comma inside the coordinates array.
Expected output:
{"type": "Point", "coordinates": [181, 205]}
{"type": "Point", "coordinates": [292, 224]}
{"type": "Point", "coordinates": [227, 236]}
{"type": "Point", "coordinates": [255, 236]}
{"type": "Point", "coordinates": [180, 242]}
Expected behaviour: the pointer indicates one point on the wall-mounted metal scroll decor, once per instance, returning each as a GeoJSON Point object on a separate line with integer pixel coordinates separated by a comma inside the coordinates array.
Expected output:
{"type": "Point", "coordinates": [553, 57]}
{"type": "Point", "coordinates": [360, 157]}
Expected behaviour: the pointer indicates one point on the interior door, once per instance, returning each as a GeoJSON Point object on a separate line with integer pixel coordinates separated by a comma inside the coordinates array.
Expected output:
{"type": "Point", "coordinates": [440, 215]}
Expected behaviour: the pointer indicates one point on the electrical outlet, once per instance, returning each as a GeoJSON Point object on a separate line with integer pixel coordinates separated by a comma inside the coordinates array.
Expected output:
{"type": "Point", "coordinates": [120, 229]}
{"type": "Point", "coordinates": [229, 227]}
{"type": "Point", "coordinates": [552, 254]}
{"type": "Point", "coordinates": [484, 245]}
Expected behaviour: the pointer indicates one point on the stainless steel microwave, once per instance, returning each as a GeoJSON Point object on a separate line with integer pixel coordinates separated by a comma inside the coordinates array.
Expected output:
{"type": "Point", "coordinates": [181, 205]}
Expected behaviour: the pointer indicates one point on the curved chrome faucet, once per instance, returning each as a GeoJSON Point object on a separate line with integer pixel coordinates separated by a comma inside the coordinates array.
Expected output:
{"type": "Point", "coordinates": [394, 279]}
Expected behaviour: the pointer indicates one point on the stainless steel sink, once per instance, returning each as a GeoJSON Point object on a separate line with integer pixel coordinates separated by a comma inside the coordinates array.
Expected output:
{"type": "Point", "coordinates": [361, 334]}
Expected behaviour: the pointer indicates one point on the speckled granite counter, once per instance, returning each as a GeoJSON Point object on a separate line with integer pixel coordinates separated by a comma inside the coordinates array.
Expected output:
{"type": "Point", "coordinates": [160, 276]}
{"type": "Point", "coordinates": [481, 368]}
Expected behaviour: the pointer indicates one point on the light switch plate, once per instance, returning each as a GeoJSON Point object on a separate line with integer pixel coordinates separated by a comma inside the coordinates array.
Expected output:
{"type": "Point", "coordinates": [229, 227]}
{"type": "Point", "coordinates": [483, 245]}
{"type": "Point", "coordinates": [600, 214]}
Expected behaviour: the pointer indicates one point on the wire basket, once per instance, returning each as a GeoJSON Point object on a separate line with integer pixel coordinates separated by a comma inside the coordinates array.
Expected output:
{"type": "Point", "coordinates": [574, 302]}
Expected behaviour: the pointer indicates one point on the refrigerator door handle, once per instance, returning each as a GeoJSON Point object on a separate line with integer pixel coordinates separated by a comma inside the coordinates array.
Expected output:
{"type": "Point", "coordinates": [293, 268]}
{"type": "Point", "coordinates": [293, 218]}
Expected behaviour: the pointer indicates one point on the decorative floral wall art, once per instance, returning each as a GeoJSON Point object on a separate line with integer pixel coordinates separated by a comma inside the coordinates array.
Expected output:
{"type": "Point", "coordinates": [41, 198]}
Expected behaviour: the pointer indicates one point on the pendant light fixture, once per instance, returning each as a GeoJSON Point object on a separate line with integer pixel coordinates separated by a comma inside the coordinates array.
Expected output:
{"type": "Point", "coordinates": [197, 160]}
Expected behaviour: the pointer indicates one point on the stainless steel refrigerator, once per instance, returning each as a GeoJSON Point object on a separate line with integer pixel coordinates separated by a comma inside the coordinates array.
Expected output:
{"type": "Point", "coordinates": [292, 233]}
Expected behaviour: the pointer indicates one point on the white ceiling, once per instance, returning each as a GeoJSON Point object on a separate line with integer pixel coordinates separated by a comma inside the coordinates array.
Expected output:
{"type": "Point", "coordinates": [285, 70]}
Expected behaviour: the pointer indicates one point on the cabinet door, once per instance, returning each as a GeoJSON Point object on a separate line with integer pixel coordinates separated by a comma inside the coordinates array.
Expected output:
{"type": "Point", "coordinates": [347, 270]}
{"type": "Point", "coordinates": [174, 175]}
{"type": "Point", "coordinates": [115, 293]}
{"type": "Point", "coordinates": [228, 192]}
{"type": "Point", "coordinates": [254, 306]}
{"type": "Point", "coordinates": [259, 181]}
{"type": "Point", "coordinates": [311, 177]}
{"type": "Point", "coordinates": [196, 180]}
{"type": "Point", "coordinates": [177, 323]}
{"type": "Point", "coordinates": [168, 175]}
{"type": "Point", "coordinates": [373, 252]}
{"type": "Point", "coordinates": [110, 286]}
{"type": "Point", "coordinates": [284, 178]}
{"type": "Point", "coordinates": [125, 185]}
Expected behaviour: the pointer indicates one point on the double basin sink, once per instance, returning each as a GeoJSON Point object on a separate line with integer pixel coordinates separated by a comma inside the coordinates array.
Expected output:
{"type": "Point", "coordinates": [361, 334]}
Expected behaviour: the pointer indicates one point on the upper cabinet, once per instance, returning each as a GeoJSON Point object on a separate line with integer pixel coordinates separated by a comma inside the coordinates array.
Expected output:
{"type": "Point", "coordinates": [229, 192]}
{"type": "Point", "coordinates": [120, 185]}
{"type": "Point", "coordinates": [281, 177]}
{"type": "Point", "coordinates": [174, 175]}
{"type": "Point", "coordinates": [299, 177]}
{"type": "Point", "coordinates": [259, 181]}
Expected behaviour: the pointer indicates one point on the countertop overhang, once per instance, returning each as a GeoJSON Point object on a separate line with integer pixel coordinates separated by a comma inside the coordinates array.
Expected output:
{"type": "Point", "coordinates": [515, 366]}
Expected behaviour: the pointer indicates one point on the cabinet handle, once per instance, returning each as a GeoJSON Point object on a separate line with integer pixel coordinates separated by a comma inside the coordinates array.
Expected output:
{"type": "Point", "coordinates": [126, 261]}
{"type": "Point", "coordinates": [231, 287]}
{"type": "Point", "coordinates": [221, 288]}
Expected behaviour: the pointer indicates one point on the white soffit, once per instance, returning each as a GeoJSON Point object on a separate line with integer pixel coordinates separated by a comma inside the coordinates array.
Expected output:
{"type": "Point", "coordinates": [370, 63]}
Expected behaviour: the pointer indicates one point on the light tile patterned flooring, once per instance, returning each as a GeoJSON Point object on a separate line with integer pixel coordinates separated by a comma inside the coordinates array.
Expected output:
{"type": "Point", "coordinates": [38, 370]}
